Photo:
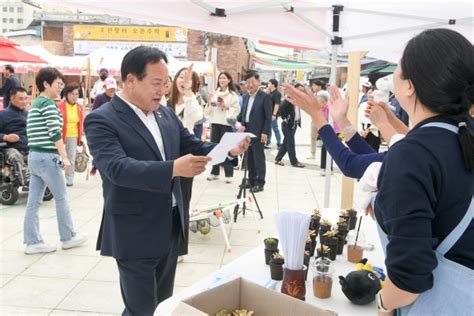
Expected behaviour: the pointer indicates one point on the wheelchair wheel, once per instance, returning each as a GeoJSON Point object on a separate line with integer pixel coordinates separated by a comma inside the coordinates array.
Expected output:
{"type": "Point", "coordinates": [48, 195]}
{"type": "Point", "coordinates": [8, 195]}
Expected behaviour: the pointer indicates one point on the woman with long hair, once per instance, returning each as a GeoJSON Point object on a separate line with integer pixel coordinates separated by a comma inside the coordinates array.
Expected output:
{"type": "Point", "coordinates": [425, 207]}
{"type": "Point", "coordinates": [221, 110]}
{"type": "Point", "coordinates": [46, 160]}
{"type": "Point", "coordinates": [73, 120]}
{"type": "Point", "coordinates": [186, 106]}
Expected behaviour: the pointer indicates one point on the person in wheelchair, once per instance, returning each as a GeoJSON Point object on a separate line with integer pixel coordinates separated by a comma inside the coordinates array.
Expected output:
{"type": "Point", "coordinates": [13, 130]}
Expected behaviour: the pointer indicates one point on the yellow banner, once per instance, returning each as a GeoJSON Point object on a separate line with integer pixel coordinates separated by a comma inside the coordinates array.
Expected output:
{"type": "Point", "coordinates": [130, 33]}
{"type": "Point", "coordinates": [300, 75]}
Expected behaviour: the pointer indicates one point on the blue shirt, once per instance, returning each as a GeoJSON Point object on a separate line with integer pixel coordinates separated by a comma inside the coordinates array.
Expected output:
{"type": "Point", "coordinates": [354, 161]}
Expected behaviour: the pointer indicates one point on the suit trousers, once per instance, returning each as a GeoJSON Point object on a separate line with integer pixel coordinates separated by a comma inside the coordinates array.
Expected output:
{"type": "Point", "coordinates": [147, 282]}
{"type": "Point", "coordinates": [217, 131]}
{"type": "Point", "coordinates": [187, 190]}
{"type": "Point", "coordinates": [288, 145]}
{"type": "Point", "coordinates": [256, 162]}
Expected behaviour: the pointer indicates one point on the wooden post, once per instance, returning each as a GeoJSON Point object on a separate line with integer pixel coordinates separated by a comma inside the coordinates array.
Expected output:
{"type": "Point", "coordinates": [87, 85]}
{"type": "Point", "coordinates": [353, 83]}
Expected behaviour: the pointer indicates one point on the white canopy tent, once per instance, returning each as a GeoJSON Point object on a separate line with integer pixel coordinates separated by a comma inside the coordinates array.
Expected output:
{"type": "Point", "coordinates": [380, 27]}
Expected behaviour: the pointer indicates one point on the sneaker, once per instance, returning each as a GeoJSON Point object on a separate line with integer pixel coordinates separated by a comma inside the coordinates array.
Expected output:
{"type": "Point", "coordinates": [228, 180]}
{"type": "Point", "coordinates": [311, 156]}
{"type": "Point", "coordinates": [267, 147]}
{"type": "Point", "coordinates": [75, 241]}
{"type": "Point", "coordinates": [69, 184]}
{"type": "Point", "coordinates": [212, 177]}
{"type": "Point", "coordinates": [39, 248]}
{"type": "Point", "coordinates": [93, 171]}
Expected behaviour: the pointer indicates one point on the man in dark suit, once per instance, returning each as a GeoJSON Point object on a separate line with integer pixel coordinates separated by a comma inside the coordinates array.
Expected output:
{"type": "Point", "coordinates": [11, 82]}
{"type": "Point", "coordinates": [141, 150]}
{"type": "Point", "coordinates": [291, 119]}
{"type": "Point", "coordinates": [256, 118]}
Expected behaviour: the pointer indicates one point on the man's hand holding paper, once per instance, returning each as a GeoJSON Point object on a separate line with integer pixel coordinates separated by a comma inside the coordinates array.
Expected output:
{"type": "Point", "coordinates": [233, 144]}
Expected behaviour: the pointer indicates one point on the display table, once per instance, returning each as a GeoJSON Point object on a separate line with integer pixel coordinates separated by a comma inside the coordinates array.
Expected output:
{"type": "Point", "coordinates": [252, 265]}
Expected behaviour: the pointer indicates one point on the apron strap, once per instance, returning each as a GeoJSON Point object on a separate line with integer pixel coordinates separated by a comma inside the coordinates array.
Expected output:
{"type": "Point", "coordinates": [447, 126]}
{"type": "Point", "coordinates": [457, 232]}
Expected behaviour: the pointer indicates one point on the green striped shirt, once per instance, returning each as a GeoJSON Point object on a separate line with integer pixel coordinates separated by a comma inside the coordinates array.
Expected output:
{"type": "Point", "coordinates": [44, 125]}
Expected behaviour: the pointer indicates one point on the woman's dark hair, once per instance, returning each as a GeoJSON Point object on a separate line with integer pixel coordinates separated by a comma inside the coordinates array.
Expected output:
{"type": "Point", "coordinates": [440, 65]}
{"type": "Point", "coordinates": [230, 85]}
{"type": "Point", "coordinates": [48, 74]}
{"type": "Point", "coordinates": [70, 88]}
{"type": "Point", "coordinates": [135, 61]}
{"type": "Point", "coordinates": [174, 94]}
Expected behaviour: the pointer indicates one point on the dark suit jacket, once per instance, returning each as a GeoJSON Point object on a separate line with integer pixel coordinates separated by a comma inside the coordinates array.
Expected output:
{"type": "Point", "coordinates": [137, 183]}
{"type": "Point", "coordinates": [260, 115]}
{"type": "Point", "coordinates": [287, 112]}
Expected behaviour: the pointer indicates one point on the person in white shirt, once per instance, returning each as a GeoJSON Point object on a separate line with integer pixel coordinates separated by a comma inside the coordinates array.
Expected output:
{"type": "Point", "coordinates": [99, 84]}
{"type": "Point", "coordinates": [221, 111]}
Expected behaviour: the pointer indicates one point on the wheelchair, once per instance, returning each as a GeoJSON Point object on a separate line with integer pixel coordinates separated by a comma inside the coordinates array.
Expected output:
{"type": "Point", "coordinates": [11, 179]}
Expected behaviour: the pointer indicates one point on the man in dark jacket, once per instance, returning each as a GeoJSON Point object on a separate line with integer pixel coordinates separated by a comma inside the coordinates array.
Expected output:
{"type": "Point", "coordinates": [142, 150]}
{"type": "Point", "coordinates": [10, 83]}
{"type": "Point", "coordinates": [13, 129]}
{"type": "Point", "coordinates": [291, 119]}
{"type": "Point", "coordinates": [256, 118]}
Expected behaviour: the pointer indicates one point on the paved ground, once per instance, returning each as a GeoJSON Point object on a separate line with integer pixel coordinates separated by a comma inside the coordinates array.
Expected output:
{"type": "Point", "coordinates": [81, 282]}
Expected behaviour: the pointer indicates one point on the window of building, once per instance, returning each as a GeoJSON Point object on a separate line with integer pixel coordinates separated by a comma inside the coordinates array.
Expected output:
{"type": "Point", "coordinates": [4, 20]}
{"type": "Point", "coordinates": [19, 9]}
{"type": "Point", "coordinates": [11, 9]}
{"type": "Point", "coordinates": [11, 20]}
{"type": "Point", "coordinates": [19, 21]}
{"type": "Point", "coordinates": [5, 9]}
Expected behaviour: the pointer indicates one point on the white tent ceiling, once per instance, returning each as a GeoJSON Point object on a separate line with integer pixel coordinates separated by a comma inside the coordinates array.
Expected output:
{"type": "Point", "coordinates": [365, 25]}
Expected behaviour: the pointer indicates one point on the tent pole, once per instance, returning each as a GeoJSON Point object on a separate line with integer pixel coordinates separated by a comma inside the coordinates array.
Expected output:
{"type": "Point", "coordinates": [335, 42]}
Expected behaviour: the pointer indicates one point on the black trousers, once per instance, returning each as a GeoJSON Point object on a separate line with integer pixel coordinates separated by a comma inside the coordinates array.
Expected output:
{"type": "Point", "coordinates": [217, 131]}
{"type": "Point", "coordinates": [373, 141]}
{"type": "Point", "coordinates": [187, 190]}
{"type": "Point", "coordinates": [147, 282]}
{"type": "Point", "coordinates": [288, 145]}
{"type": "Point", "coordinates": [323, 158]}
{"type": "Point", "coordinates": [256, 163]}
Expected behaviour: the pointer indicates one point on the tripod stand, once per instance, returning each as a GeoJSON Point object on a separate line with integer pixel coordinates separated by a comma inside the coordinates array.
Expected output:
{"type": "Point", "coordinates": [244, 185]}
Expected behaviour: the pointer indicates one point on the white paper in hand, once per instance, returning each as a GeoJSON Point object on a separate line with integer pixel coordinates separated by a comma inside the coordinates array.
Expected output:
{"type": "Point", "coordinates": [228, 141]}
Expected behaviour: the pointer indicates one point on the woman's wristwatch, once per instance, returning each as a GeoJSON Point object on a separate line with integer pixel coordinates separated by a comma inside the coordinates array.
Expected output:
{"type": "Point", "coordinates": [381, 308]}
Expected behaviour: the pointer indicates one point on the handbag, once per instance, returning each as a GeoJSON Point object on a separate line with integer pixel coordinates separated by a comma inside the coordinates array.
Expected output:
{"type": "Point", "coordinates": [82, 160]}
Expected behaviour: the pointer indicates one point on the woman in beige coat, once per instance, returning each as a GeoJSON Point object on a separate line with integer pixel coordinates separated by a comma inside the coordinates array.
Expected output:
{"type": "Point", "coordinates": [221, 111]}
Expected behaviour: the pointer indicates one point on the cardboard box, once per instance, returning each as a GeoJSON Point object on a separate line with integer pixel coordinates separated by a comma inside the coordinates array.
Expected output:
{"type": "Point", "coordinates": [243, 294]}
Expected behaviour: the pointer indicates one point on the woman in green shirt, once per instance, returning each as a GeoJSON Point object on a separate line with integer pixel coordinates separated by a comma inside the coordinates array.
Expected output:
{"type": "Point", "coordinates": [46, 160]}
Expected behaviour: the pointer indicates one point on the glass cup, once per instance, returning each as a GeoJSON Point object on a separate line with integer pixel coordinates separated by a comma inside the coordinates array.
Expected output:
{"type": "Point", "coordinates": [322, 278]}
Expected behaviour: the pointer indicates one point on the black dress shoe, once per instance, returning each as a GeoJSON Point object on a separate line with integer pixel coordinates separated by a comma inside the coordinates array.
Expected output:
{"type": "Point", "coordinates": [279, 162]}
{"type": "Point", "coordinates": [247, 186]}
{"type": "Point", "coordinates": [257, 188]}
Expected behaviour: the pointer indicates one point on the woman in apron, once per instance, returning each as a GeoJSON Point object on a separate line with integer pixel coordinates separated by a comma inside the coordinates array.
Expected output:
{"type": "Point", "coordinates": [424, 207]}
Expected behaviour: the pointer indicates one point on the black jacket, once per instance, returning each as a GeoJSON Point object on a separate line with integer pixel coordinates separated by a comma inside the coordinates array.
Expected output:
{"type": "Point", "coordinates": [287, 112]}
{"type": "Point", "coordinates": [13, 121]}
{"type": "Point", "coordinates": [10, 83]}
{"type": "Point", "coordinates": [260, 119]}
{"type": "Point", "coordinates": [137, 181]}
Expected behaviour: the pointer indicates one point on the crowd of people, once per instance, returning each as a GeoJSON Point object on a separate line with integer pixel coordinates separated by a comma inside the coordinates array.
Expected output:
{"type": "Point", "coordinates": [148, 142]}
